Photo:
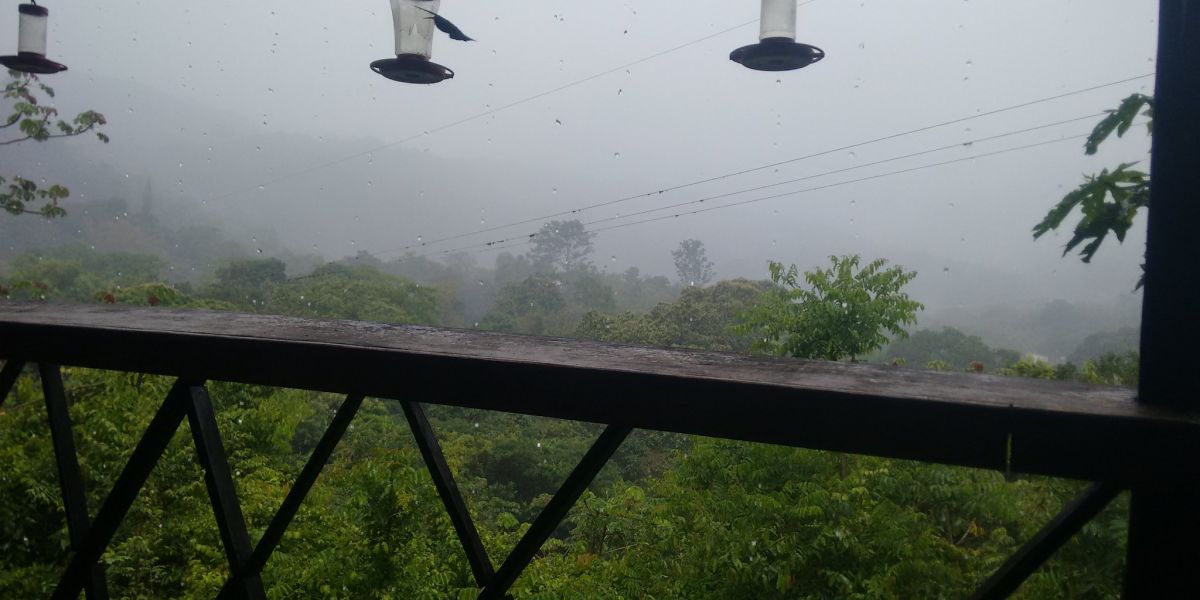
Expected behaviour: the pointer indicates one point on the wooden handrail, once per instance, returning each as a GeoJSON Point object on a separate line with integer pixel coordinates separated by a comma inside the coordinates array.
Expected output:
{"type": "Point", "coordinates": [1004, 423]}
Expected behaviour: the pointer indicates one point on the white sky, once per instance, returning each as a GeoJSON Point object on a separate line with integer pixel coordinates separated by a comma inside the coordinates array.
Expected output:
{"type": "Point", "coordinates": [247, 93]}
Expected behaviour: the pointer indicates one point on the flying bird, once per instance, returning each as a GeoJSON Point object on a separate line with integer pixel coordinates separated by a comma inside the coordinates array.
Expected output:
{"type": "Point", "coordinates": [445, 26]}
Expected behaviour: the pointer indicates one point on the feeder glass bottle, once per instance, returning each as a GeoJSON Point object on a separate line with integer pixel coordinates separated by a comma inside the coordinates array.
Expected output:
{"type": "Point", "coordinates": [414, 26]}
{"type": "Point", "coordinates": [778, 19]}
{"type": "Point", "coordinates": [31, 29]}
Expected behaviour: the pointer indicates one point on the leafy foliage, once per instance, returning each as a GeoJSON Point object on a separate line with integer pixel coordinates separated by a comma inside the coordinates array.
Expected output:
{"type": "Point", "coordinates": [1107, 202]}
{"type": "Point", "coordinates": [950, 347]}
{"type": "Point", "coordinates": [561, 246]}
{"type": "Point", "coordinates": [700, 318]}
{"type": "Point", "coordinates": [846, 311]}
{"type": "Point", "coordinates": [361, 293]}
{"type": "Point", "coordinates": [1112, 369]}
{"type": "Point", "coordinates": [38, 121]}
{"type": "Point", "coordinates": [692, 264]}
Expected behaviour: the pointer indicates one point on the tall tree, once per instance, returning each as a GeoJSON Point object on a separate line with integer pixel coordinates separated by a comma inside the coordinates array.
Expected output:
{"type": "Point", "coordinates": [844, 312]}
{"type": "Point", "coordinates": [562, 246]}
{"type": "Point", "coordinates": [36, 121]}
{"type": "Point", "coordinates": [1108, 202]}
{"type": "Point", "coordinates": [692, 264]}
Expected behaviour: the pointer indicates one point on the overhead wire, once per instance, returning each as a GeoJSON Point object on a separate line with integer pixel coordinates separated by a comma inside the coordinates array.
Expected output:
{"type": "Point", "coordinates": [525, 240]}
{"type": "Point", "coordinates": [530, 239]}
{"type": "Point", "coordinates": [968, 143]}
{"type": "Point", "coordinates": [689, 184]}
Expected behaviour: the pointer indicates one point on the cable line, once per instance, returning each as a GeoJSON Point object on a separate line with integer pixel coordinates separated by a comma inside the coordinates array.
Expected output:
{"type": "Point", "coordinates": [530, 238]}
{"type": "Point", "coordinates": [762, 167]}
{"type": "Point", "coordinates": [966, 144]}
{"type": "Point", "coordinates": [525, 240]}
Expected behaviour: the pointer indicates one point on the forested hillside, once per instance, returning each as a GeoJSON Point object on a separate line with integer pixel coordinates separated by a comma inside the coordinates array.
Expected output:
{"type": "Point", "coordinates": [671, 517]}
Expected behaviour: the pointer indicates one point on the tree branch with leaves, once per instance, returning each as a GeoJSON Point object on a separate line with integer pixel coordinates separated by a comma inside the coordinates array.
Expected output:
{"type": "Point", "coordinates": [36, 120]}
{"type": "Point", "coordinates": [1110, 201]}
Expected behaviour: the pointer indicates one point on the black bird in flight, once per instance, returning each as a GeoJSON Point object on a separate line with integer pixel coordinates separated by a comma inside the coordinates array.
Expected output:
{"type": "Point", "coordinates": [445, 26]}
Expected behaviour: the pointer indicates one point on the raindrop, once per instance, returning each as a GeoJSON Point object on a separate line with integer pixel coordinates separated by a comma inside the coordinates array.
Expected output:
{"type": "Point", "coordinates": [614, 258]}
{"type": "Point", "coordinates": [480, 283]}
{"type": "Point", "coordinates": [616, 155]}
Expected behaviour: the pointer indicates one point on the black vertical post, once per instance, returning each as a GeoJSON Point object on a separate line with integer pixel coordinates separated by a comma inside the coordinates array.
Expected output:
{"type": "Point", "coordinates": [70, 478]}
{"type": "Point", "coordinates": [219, 479]}
{"type": "Point", "coordinates": [8, 377]}
{"type": "Point", "coordinates": [1164, 521]}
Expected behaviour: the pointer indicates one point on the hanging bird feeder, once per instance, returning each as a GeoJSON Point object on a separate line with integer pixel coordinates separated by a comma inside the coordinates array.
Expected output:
{"type": "Point", "coordinates": [31, 43]}
{"type": "Point", "coordinates": [777, 49]}
{"type": "Point", "coordinates": [414, 44]}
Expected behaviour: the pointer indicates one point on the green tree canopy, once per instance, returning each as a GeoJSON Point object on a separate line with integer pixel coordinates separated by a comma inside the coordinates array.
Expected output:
{"type": "Point", "coordinates": [844, 311]}
{"type": "Point", "coordinates": [950, 346]}
{"type": "Point", "coordinates": [248, 280]}
{"type": "Point", "coordinates": [692, 264]}
{"type": "Point", "coordinates": [360, 292]}
{"type": "Point", "coordinates": [561, 246]}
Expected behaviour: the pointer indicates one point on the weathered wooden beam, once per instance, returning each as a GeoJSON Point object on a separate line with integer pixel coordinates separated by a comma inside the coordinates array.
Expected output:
{"type": "Point", "coordinates": [551, 516]}
{"type": "Point", "coordinates": [1073, 516]}
{"type": "Point", "coordinates": [443, 480]}
{"type": "Point", "coordinates": [70, 477]}
{"type": "Point", "coordinates": [1055, 428]}
{"type": "Point", "coordinates": [129, 483]}
{"type": "Point", "coordinates": [218, 477]}
{"type": "Point", "coordinates": [1162, 558]}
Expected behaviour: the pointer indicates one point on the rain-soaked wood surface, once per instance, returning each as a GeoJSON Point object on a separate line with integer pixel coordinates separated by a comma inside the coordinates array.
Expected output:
{"type": "Point", "coordinates": [1004, 423]}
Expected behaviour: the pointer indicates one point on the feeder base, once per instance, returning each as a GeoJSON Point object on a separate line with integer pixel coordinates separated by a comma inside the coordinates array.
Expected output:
{"type": "Point", "coordinates": [28, 62]}
{"type": "Point", "coordinates": [777, 54]}
{"type": "Point", "coordinates": [411, 68]}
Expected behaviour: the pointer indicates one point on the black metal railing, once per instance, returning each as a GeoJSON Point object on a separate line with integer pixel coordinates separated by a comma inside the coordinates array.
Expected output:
{"type": "Point", "coordinates": [1009, 424]}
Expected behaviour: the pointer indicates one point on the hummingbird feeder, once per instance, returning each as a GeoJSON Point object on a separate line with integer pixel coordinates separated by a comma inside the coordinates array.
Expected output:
{"type": "Point", "coordinates": [414, 44]}
{"type": "Point", "coordinates": [777, 49]}
{"type": "Point", "coordinates": [31, 43]}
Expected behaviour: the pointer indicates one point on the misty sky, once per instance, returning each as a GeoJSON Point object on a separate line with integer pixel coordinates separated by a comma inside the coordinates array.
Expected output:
{"type": "Point", "coordinates": [228, 106]}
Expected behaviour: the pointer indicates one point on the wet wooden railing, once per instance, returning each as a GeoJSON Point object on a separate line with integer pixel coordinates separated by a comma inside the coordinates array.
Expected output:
{"type": "Point", "coordinates": [1101, 434]}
